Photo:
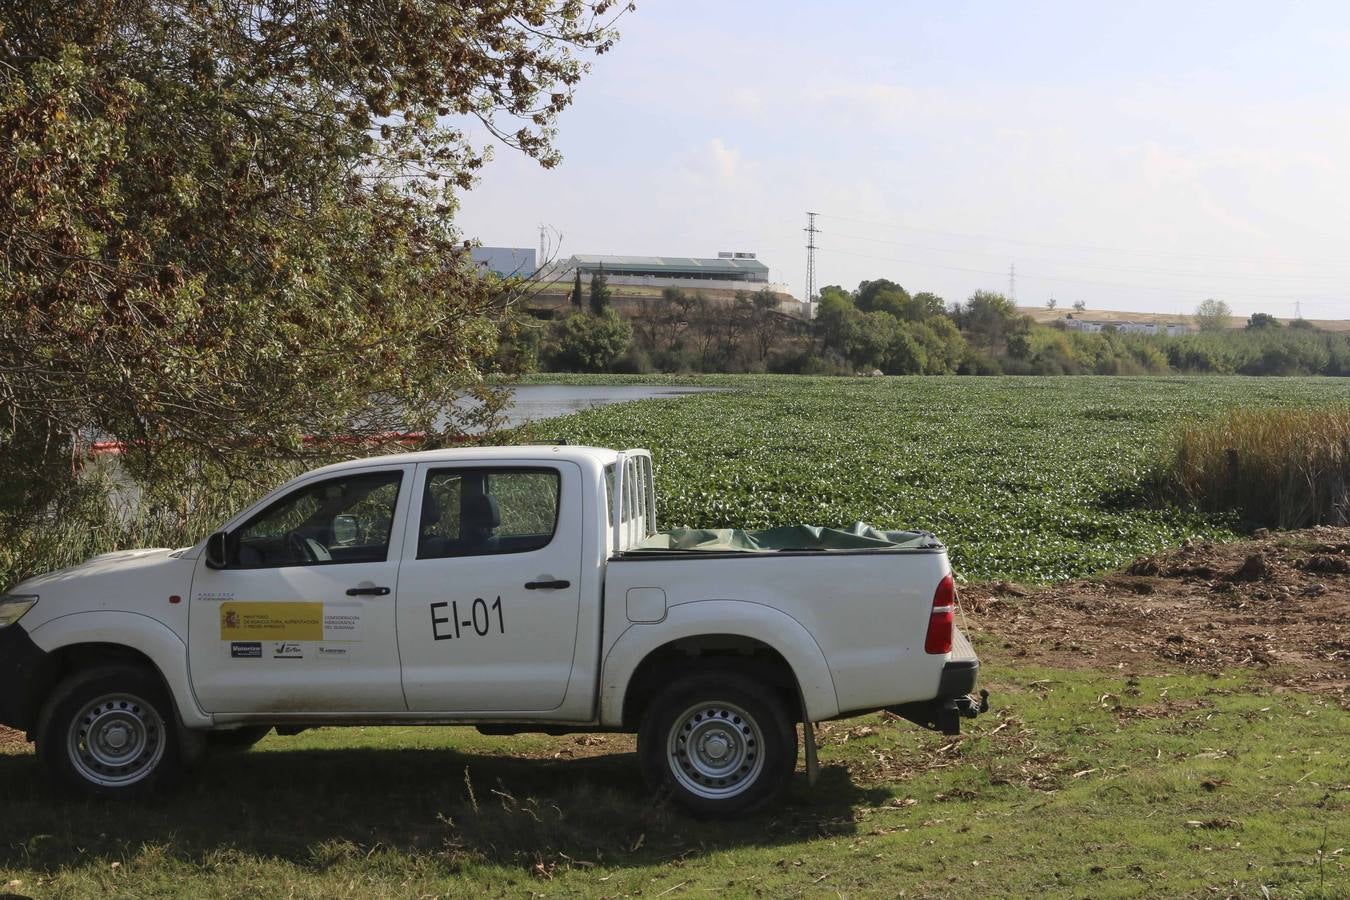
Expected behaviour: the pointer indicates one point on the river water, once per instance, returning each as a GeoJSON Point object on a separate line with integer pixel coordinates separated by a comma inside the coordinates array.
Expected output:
{"type": "Point", "coordinates": [532, 402]}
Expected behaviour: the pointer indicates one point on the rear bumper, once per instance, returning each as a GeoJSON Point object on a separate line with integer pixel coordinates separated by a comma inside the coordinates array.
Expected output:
{"type": "Point", "coordinates": [20, 663]}
{"type": "Point", "coordinates": [955, 699]}
{"type": "Point", "coordinates": [958, 678]}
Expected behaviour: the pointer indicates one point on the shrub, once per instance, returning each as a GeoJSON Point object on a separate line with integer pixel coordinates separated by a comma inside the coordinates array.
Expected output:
{"type": "Point", "coordinates": [1284, 468]}
{"type": "Point", "coordinates": [587, 343]}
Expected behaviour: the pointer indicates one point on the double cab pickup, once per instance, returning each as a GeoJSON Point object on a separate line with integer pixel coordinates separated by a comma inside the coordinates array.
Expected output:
{"type": "Point", "coordinates": [516, 589]}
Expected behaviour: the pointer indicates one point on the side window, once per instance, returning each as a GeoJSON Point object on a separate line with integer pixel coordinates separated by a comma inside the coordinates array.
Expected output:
{"type": "Point", "coordinates": [472, 512]}
{"type": "Point", "coordinates": [340, 520]}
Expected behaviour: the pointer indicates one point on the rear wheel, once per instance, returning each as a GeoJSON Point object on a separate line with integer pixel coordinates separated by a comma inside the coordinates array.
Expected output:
{"type": "Point", "coordinates": [721, 743]}
{"type": "Point", "coordinates": [110, 731]}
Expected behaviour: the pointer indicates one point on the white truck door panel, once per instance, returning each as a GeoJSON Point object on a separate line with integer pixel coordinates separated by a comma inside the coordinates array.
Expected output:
{"type": "Point", "coordinates": [303, 619]}
{"type": "Point", "coordinates": [489, 589]}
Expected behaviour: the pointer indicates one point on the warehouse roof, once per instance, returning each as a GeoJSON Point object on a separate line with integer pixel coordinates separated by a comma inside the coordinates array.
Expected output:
{"type": "Point", "coordinates": [621, 264]}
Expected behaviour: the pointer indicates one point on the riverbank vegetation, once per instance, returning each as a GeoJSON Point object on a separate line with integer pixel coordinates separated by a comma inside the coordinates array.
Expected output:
{"type": "Point", "coordinates": [1281, 468]}
{"type": "Point", "coordinates": [882, 328]}
{"type": "Point", "coordinates": [1032, 479]}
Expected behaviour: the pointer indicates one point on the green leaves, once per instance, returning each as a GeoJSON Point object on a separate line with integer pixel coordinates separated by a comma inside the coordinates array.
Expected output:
{"type": "Point", "coordinates": [227, 227]}
{"type": "Point", "coordinates": [1031, 479]}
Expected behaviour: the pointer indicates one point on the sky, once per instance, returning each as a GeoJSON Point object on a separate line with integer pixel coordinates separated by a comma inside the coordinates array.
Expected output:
{"type": "Point", "coordinates": [1135, 156]}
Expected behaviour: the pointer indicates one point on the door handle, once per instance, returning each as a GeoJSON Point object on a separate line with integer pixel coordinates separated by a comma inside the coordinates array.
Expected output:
{"type": "Point", "coordinates": [546, 585]}
{"type": "Point", "coordinates": [367, 592]}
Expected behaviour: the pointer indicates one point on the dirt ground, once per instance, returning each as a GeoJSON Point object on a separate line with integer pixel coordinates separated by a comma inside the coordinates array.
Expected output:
{"type": "Point", "coordinates": [1278, 605]}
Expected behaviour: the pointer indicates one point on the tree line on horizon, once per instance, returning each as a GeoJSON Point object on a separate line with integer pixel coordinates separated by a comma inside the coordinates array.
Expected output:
{"type": "Point", "coordinates": [880, 327]}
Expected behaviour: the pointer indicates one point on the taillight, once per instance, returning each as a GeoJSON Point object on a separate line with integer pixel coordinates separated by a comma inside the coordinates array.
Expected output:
{"type": "Point", "coordinates": [939, 637]}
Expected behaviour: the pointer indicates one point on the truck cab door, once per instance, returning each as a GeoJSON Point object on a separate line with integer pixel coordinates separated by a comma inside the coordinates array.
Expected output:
{"type": "Point", "coordinates": [489, 589]}
{"type": "Point", "coordinates": [302, 618]}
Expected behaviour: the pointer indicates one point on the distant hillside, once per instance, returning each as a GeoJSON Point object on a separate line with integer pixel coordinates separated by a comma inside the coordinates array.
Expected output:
{"type": "Point", "coordinates": [633, 299]}
{"type": "Point", "coordinates": [1046, 316]}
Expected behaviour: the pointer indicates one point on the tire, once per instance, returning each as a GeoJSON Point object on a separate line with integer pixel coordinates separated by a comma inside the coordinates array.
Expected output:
{"type": "Point", "coordinates": [110, 732]}
{"type": "Point", "coordinates": [719, 743]}
{"type": "Point", "coordinates": [236, 740]}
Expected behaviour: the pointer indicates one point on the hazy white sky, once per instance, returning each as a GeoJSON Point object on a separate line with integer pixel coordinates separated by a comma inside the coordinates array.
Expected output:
{"type": "Point", "coordinates": [1134, 156]}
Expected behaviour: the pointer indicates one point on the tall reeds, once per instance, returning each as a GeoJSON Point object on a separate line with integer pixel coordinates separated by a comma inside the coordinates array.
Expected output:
{"type": "Point", "coordinates": [1281, 468]}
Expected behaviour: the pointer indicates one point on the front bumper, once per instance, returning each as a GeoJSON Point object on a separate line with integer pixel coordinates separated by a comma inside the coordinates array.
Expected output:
{"type": "Point", "coordinates": [21, 662]}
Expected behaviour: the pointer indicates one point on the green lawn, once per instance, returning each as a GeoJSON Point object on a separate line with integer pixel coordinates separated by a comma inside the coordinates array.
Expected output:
{"type": "Point", "coordinates": [1033, 479]}
{"type": "Point", "coordinates": [1079, 784]}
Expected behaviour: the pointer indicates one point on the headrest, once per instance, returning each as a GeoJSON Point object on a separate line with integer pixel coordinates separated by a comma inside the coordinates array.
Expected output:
{"type": "Point", "coordinates": [481, 511]}
{"type": "Point", "coordinates": [431, 510]}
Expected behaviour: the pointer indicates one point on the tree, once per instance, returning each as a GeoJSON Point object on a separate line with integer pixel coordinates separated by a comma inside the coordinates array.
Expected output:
{"type": "Point", "coordinates": [1258, 321]}
{"type": "Point", "coordinates": [1079, 306]}
{"type": "Point", "coordinates": [228, 225]}
{"type": "Point", "coordinates": [1051, 303]}
{"type": "Point", "coordinates": [1213, 315]}
{"type": "Point", "coordinates": [576, 290]}
{"type": "Point", "coordinates": [929, 305]}
{"type": "Point", "coordinates": [835, 317]}
{"type": "Point", "coordinates": [886, 296]}
{"type": "Point", "coordinates": [767, 322]}
{"type": "Point", "coordinates": [987, 317]}
{"type": "Point", "coordinates": [600, 292]}
{"type": "Point", "coordinates": [589, 343]}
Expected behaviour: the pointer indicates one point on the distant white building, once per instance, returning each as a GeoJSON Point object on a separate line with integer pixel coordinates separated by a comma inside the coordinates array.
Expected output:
{"type": "Point", "coordinates": [1091, 326]}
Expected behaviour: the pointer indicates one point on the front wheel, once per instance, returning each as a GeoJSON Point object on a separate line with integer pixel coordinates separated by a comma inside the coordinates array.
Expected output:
{"type": "Point", "coordinates": [110, 731]}
{"type": "Point", "coordinates": [721, 743]}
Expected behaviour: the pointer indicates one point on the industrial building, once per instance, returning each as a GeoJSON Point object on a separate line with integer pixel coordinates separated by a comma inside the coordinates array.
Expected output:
{"type": "Point", "coordinates": [728, 269]}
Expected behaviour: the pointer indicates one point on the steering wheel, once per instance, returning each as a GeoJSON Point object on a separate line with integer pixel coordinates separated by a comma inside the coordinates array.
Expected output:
{"type": "Point", "coordinates": [298, 546]}
{"type": "Point", "coordinates": [306, 548]}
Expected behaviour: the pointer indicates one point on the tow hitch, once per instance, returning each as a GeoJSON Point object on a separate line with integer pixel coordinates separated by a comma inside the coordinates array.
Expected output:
{"type": "Point", "coordinates": [944, 715]}
{"type": "Point", "coordinates": [967, 707]}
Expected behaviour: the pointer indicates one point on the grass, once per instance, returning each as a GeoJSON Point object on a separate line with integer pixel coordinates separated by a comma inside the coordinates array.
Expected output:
{"type": "Point", "coordinates": [1284, 468]}
{"type": "Point", "coordinates": [1030, 479]}
{"type": "Point", "coordinates": [1079, 783]}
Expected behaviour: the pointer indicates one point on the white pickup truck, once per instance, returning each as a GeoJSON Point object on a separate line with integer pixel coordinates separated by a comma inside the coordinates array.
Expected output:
{"type": "Point", "coordinates": [516, 589]}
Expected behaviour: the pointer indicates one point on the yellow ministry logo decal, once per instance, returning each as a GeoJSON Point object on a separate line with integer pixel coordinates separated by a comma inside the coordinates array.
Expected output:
{"type": "Point", "coordinates": [271, 621]}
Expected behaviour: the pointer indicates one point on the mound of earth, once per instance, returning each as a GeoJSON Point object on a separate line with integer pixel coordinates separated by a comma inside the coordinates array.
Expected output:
{"type": "Point", "coordinates": [1277, 604]}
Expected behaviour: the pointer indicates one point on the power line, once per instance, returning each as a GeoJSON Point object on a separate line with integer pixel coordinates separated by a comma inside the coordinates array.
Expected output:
{"type": "Point", "coordinates": [1083, 247]}
{"type": "Point", "coordinates": [1115, 284]}
{"type": "Point", "coordinates": [1284, 279]}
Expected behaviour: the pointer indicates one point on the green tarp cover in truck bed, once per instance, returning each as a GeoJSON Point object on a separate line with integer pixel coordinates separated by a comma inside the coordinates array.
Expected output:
{"type": "Point", "coordinates": [788, 537]}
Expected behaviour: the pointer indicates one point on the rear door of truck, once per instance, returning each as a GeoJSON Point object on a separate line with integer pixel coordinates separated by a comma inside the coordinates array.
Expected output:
{"type": "Point", "coordinates": [490, 586]}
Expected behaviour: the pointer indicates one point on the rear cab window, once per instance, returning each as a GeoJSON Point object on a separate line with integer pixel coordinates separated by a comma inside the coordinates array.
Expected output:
{"type": "Point", "coordinates": [488, 510]}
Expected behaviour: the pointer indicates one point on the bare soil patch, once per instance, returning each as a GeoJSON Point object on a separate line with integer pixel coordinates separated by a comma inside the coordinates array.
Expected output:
{"type": "Point", "coordinates": [1277, 604]}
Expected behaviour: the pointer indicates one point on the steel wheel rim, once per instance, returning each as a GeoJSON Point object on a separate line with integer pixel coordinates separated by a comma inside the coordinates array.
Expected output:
{"type": "Point", "coordinates": [715, 750]}
{"type": "Point", "coordinates": [116, 740]}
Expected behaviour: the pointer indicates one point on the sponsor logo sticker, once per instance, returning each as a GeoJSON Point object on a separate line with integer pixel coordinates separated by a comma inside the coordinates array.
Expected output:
{"type": "Point", "coordinates": [246, 649]}
{"type": "Point", "coordinates": [287, 650]}
{"type": "Point", "coordinates": [332, 651]}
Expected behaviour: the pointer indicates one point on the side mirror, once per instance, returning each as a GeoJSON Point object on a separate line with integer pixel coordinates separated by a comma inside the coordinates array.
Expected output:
{"type": "Point", "coordinates": [345, 530]}
{"type": "Point", "coordinates": [215, 551]}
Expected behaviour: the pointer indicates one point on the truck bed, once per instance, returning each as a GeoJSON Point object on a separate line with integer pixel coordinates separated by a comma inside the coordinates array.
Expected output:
{"type": "Point", "coordinates": [867, 610]}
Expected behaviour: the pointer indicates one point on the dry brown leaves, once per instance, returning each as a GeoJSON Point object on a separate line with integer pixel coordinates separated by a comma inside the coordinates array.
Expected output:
{"type": "Point", "coordinates": [1278, 604]}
